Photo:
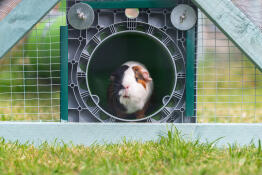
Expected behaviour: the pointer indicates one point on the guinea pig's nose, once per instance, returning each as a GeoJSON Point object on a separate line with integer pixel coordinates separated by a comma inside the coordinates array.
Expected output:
{"type": "Point", "coordinates": [126, 87]}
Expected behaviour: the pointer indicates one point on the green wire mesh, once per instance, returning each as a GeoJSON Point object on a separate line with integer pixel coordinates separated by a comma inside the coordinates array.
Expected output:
{"type": "Point", "coordinates": [30, 72]}
{"type": "Point", "coordinates": [229, 85]}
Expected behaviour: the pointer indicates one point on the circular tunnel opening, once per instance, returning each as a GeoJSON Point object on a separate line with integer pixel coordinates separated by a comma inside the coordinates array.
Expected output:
{"type": "Point", "coordinates": [131, 46]}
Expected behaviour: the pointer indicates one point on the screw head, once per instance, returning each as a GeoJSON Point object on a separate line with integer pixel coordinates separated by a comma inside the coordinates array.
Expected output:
{"type": "Point", "coordinates": [81, 16]}
{"type": "Point", "coordinates": [183, 17]}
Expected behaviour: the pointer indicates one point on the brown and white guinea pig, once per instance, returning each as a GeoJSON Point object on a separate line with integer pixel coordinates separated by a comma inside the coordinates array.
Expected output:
{"type": "Point", "coordinates": [130, 90]}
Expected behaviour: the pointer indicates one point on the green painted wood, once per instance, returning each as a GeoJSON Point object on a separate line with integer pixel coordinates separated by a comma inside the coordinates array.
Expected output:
{"type": "Point", "coordinates": [190, 72]}
{"type": "Point", "coordinates": [236, 26]}
{"type": "Point", "coordinates": [21, 20]}
{"type": "Point", "coordinates": [131, 3]}
{"type": "Point", "coordinates": [64, 73]}
{"type": "Point", "coordinates": [87, 134]}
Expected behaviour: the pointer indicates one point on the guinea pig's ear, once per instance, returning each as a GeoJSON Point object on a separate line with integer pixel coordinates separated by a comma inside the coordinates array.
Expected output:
{"type": "Point", "coordinates": [146, 76]}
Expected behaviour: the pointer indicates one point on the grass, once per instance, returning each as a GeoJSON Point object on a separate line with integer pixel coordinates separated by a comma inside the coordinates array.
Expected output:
{"type": "Point", "coordinates": [169, 155]}
{"type": "Point", "coordinates": [31, 108]}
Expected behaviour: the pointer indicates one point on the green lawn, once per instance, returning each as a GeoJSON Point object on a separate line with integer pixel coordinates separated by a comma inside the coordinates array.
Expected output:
{"type": "Point", "coordinates": [169, 155]}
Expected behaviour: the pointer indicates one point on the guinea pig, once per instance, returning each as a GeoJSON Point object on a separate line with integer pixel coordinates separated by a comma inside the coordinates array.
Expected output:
{"type": "Point", "coordinates": [130, 90]}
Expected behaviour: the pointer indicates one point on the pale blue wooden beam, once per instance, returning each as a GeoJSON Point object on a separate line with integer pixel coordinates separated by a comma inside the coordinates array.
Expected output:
{"type": "Point", "coordinates": [21, 20]}
{"type": "Point", "coordinates": [236, 26]}
{"type": "Point", "coordinates": [90, 133]}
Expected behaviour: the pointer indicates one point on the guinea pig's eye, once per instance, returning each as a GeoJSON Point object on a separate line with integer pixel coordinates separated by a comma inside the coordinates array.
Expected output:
{"type": "Point", "coordinates": [135, 69]}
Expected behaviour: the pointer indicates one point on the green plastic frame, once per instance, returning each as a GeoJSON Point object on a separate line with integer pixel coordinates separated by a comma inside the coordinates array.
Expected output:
{"type": "Point", "coordinates": [190, 72]}
{"type": "Point", "coordinates": [107, 4]}
{"type": "Point", "coordinates": [64, 73]}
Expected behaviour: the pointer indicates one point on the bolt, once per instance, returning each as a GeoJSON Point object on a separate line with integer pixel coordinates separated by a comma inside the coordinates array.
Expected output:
{"type": "Point", "coordinates": [183, 17]}
{"type": "Point", "coordinates": [81, 14]}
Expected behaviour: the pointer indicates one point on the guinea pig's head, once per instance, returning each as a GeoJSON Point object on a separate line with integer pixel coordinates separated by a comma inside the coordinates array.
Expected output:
{"type": "Point", "coordinates": [132, 79]}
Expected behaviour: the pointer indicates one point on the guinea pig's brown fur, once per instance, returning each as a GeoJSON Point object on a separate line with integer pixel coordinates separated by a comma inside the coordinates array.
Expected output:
{"type": "Point", "coordinates": [141, 114]}
{"type": "Point", "coordinates": [139, 75]}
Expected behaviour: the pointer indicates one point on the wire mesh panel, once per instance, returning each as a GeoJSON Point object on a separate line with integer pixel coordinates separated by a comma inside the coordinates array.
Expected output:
{"type": "Point", "coordinates": [229, 85]}
{"type": "Point", "coordinates": [30, 72]}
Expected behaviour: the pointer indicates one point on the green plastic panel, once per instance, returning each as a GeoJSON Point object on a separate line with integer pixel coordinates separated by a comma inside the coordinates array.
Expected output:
{"type": "Point", "coordinates": [64, 73]}
{"type": "Point", "coordinates": [131, 3]}
{"type": "Point", "coordinates": [21, 20]}
{"type": "Point", "coordinates": [190, 72]}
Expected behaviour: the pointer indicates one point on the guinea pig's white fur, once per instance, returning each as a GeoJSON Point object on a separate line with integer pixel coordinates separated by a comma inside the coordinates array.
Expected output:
{"type": "Point", "coordinates": [138, 95]}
